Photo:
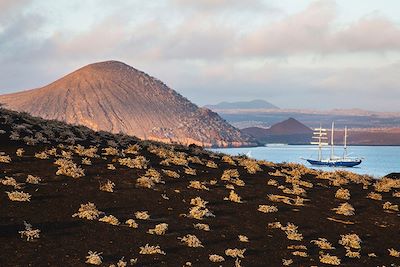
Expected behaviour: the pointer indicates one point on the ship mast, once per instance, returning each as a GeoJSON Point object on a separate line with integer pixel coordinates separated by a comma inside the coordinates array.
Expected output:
{"type": "Point", "coordinates": [321, 135]}
{"type": "Point", "coordinates": [332, 145]}
{"type": "Point", "coordinates": [345, 142]}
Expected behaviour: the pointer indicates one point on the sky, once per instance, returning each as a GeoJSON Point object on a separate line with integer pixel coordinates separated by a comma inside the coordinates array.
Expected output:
{"type": "Point", "coordinates": [319, 54]}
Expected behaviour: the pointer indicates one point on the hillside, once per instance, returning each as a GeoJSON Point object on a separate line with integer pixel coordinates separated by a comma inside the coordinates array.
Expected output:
{"type": "Point", "coordinates": [112, 96]}
{"type": "Point", "coordinates": [70, 196]}
{"type": "Point", "coordinates": [289, 131]}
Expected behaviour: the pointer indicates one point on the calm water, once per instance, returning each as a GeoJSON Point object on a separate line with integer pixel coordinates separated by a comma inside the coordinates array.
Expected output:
{"type": "Point", "coordinates": [378, 160]}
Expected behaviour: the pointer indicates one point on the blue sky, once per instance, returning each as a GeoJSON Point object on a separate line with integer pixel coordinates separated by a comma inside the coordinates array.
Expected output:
{"type": "Point", "coordinates": [294, 53]}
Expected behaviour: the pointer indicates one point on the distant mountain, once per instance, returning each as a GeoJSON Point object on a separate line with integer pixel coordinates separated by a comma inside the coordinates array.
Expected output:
{"type": "Point", "coordinates": [290, 131]}
{"type": "Point", "coordinates": [115, 97]}
{"type": "Point", "coordinates": [254, 104]}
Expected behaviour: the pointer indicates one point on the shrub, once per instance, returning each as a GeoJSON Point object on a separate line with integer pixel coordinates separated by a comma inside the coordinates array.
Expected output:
{"type": "Point", "coordinates": [19, 196]}
{"type": "Point", "coordinates": [69, 168]}
{"type": "Point", "coordinates": [132, 223]}
{"type": "Point", "coordinates": [197, 185]}
{"type": "Point", "coordinates": [4, 158]}
{"type": "Point", "coordinates": [345, 209]}
{"type": "Point", "coordinates": [159, 229]}
{"type": "Point", "coordinates": [233, 197]}
{"type": "Point", "coordinates": [342, 193]}
{"type": "Point", "coordinates": [322, 243]}
{"type": "Point", "coordinates": [243, 238]}
{"type": "Point", "coordinates": [202, 226]}
{"type": "Point", "coordinates": [110, 219]}
{"type": "Point", "coordinates": [191, 241]}
{"type": "Point", "coordinates": [20, 152]}
{"type": "Point", "coordinates": [29, 233]}
{"type": "Point", "coordinates": [88, 211]}
{"type": "Point", "coordinates": [389, 206]}
{"type": "Point", "coordinates": [375, 196]}
{"type": "Point", "coordinates": [199, 213]}
{"type": "Point", "coordinates": [33, 179]}
{"type": "Point", "coordinates": [142, 215]}
{"type": "Point", "coordinates": [328, 259]}
{"type": "Point", "coordinates": [150, 250]}
{"type": "Point", "coordinates": [171, 174]}
{"type": "Point", "coordinates": [86, 161]}
{"type": "Point", "coordinates": [216, 258]}
{"type": "Point", "coordinates": [350, 241]}
{"type": "Point", "coordinates": [235, 252]}
{"type": "Point", "coordinates": [94, 258]}
{"type": "Point", "coordinates": [9, 181]}
{"type": "Point", "coordinates": [107, 187]}
{"type": "Point", "coordinates": [394, 253]}
{"type": "Point", "coordinates": [267, 208]}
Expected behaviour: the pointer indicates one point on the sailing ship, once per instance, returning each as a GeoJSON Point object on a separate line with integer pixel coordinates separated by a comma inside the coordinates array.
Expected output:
{"type": "Point", "coordinates": [321, 136]}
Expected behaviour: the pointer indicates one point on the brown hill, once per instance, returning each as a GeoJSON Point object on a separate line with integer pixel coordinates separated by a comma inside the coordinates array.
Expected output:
{"type": "Point", "coordinates": [290, 131]}
{"type": "Point", "coordinates": [115, 97]}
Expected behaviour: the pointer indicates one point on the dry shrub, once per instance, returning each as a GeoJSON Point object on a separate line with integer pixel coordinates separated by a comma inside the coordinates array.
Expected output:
{"type": "Point", "coordinates": [195, 159]}
{"type": "Point", "coordinates": [350, 241]}
{"type": "Point", "coordinates": [190, 171]}
{"type": "Point", "coordinates": [69, 168]}
{"type": "Point", "coordinates": [216, 258]}
{"type": "Point", "coordinates": [41, 155]}
{"type": "Point", "coordinates": [107, 186]}
{"type": "Point", "coordinates": [276, 173]}
{"type": "Point", "coordinates": [159, 229]}
{"type": "Point", "coordinates": [9, 181]}
{"type": "Point", "coordinates": [396, 194]}
{"type": "Point", "coordinates": [345, 209]}
{"type": "Point", "coordinates": [88, 211]}
{"type": "Point", "coordinates": [228, 174]}
{"type": "Point", "coordinates": [342, 193]}
{"type": "Point", "coordinates": [139, 162]}
{"type": "Point", "coordinates": [202, 226]}
{"type": "Point", "coordinates": [233, 197]}
{"type": "Point", "coordinates": [172, 174]}
{"type": "Point", "coordinates": [275, 225]}
{"type": "Point", "coordinates": [322, 243]}
{"type": "Point", "coordinates": [386, 184]}
{"type": "Point", "coordinates": [300, 254]}
{"type": "Point", "coordinates": [31, 179]}
{"type": "Point", "coordinates": [292, 233]}
{"type": "Point", "coordinates": [20, 152]}
{"type": "Point", "coordinates": [199, 202]}
{"type": "Point", "coordinates": [235, 252]}
{"type": "Point", "coordinates": [121, 263]}
{"type": "Point", "coordinates": [199, 213]}
{"type": "Point", "coordinates": [243, 238]}
{"type": "Point", "coordinates": [250, 165]}
{"type": "Point", "coordinates": [110, 219]}
{"type": "Point", "coordinates": [4, 158]}
{"type": "Point", "coordinates": [150, 178]}
{"type": "Point", "coordinates": [86, 161]}
{"type": "Point", "coordinates": [151, 250]}
{"type": "Point", "coordinates": [374, 196]}
{"type": "Point", "coordinates": [94, 258]}
{"type": "Point", "coordinates": [228, 160]}
{"type": "Point", "coordinates": [352, 254]}
{"type": "Point", "coordinates": [132, 149]}
{"type": "Point", "coordinates": [29, 233]}
{"type": "Point", "coordinates": [197, 185]}
{"type": "Point", "coordinates": [110, 167]}
{"type": "Point", "coordinates": [211, 164]}
{"type": "Point", "coordinates": [267, 208]}
{"type": "Point", "coordinates": [272, 182]}
{"type": "Point", "coordinates": [238, 182]}
{"type": "Point", "coordinates": [142, 215]}
{"type": "Point", "coordinates": [298, 201]}
{"type": "Point", "coordinates": [19, 196]}
{"type": "Point", "coordinates": [191, 241]}
{"type": "Point", "coordinates": [296, 190]}
{"type": "Point", "coordinates": [394, 253]}
{"type": "Point", "coordinates": [328, 259]}
{"type": "Point", "coordinates": [86, 152]}
{"type": "Point", "coordinates": [110, 151]}
{"type": "Point", "coordinates": [389, 206]}
{"type": "Point", "coordinates": [131, 223]}
{"type": "Point", "coordinates": [287, 262]}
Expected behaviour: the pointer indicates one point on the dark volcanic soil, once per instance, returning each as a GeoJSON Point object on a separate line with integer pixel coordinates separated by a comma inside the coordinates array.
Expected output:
{"type": "Point", "coordinates": [65, 240]}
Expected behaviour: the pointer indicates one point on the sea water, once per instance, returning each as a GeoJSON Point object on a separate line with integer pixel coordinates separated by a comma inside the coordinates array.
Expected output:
{"type": "Point", "coordinates": [377, 161]}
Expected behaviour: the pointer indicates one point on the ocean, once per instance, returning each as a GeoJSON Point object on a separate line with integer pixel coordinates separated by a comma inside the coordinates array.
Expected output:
{"type": "Point", "coordinates": [378, 161]}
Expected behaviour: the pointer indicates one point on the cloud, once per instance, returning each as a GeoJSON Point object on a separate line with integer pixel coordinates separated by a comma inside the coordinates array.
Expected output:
{"type": "Point", "coordinates": [209, 50]}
